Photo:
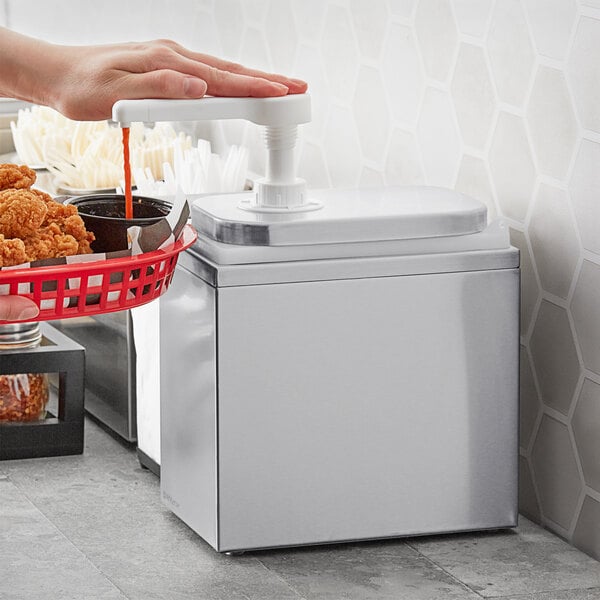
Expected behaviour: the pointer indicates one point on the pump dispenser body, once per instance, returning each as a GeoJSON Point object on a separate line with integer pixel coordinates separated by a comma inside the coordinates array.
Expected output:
{"type": "Point", "coordinates": [317, 393]}
{"type": "Point", "coordinates": [336, 366]}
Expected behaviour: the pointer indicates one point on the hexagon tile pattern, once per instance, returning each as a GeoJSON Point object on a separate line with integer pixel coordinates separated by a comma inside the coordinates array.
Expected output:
{"type": "Point", "coordinates": [556, 472]}
{"type": "Point", "coordinates": [587, 414]}
{"type": "Point", "coordinates": [586, 314]}
{"type": "Point", "coordinates": [554, 240]}
{"type": "Point", "coordinates": [554, 356]}
{"type": "Point", "coordinates": [587, 531]}
{"type": "Point", "coordinates": [473, 95]}
{"type": "Point", "coordinates": [584, 186]}
{"type": "Point", "coordinates": [513, 171]}
{"type": "Point", "coordinates": [585, 73]}
{"type": "Point", "coordinates": [499, 99]}
{"type": "Point", "coordinates": [510, 51]}
{"type": "Point", "coordinates": [530, 401]}
{"type": "Point", "coordinates": [552, 122]}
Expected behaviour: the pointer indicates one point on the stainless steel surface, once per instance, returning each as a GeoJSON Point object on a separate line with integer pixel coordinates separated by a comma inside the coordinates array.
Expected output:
{"type": "Point", "coordinates": [384, 407]}
{"type": "Point", "coordinates": [494, 236]}
{"type": "Point", "coordinates": [189, 403]}
{"type": "Point", "coordinates": [110, 368]}
{"type": "Point", "coordinates": [370, 215]}
{"type": "Point", "coordinates": [341, 409]}
{"type": "Point", "coordinates": [348, 268]}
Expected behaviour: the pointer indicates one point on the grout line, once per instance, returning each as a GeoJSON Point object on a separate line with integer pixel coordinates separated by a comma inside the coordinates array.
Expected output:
{"type": "Point", "coordinates": [576, 512]}
{"type": "Point", "coordinates": [592, 493]}
{"type": "Point", "coordinates": [67, 539]}
{"type": "Point", "coordinates": [439, 567]}
{"type": "Point", "coordinates": [590, 256]}
{"type": "Point", "coordinates": [279, 576]}
{"type": "Point", "coordinates": [558, 530]}
{"type": "Point", "coordinates": [590, 12]}
{"type": "Point", "coordinates": [595, 377]}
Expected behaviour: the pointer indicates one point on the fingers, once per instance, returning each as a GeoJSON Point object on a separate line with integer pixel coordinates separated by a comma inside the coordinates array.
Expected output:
{"type": "Point", "coordinates": [163, 83]}
{"type": "Point", "coordinates": [16, 308]}
{"type": "Point", "coordinates": [223, 83]}
{"type": "Point", "coordinates": [295, 86]}
{"type": "Point", "coordinates": [223, 78]}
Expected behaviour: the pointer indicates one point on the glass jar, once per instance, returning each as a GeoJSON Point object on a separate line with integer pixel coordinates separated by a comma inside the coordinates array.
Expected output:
{"type": "Point", "coordinates": [23, 396]}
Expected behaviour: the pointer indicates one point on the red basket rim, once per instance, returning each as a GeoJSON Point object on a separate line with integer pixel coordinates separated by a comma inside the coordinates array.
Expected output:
{"type": "Point", "coordinates": [137, 280]}
{"type": "Point", "coordinates": [186, 239]}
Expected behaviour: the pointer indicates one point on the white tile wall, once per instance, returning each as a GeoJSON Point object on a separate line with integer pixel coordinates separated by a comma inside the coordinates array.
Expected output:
{"type": "Point", "coordinates": [512, 166]}
{"type": "Point", "coordinates": [436, 31]}
{"type": "Point", "coordinates": [510, 50]}
{"type": "Point", "coordinates": [472, 16]}
{"type": "Point", "coordinates": [497, 98]}
{"type": "Point", "coordinates": [551, 23]}
{"type": "Point", "coordinates": [551, 122]}
{"type": "Point", "coordinates": [553, 237]}
{"type": "Point", "coordinates": [583, 72]}
{"type": "Point", "coordinates": [473, 95]}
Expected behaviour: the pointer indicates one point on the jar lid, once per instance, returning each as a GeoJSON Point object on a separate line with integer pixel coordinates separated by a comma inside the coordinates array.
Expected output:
{"type": "Point", "coordinates": [19, 334]}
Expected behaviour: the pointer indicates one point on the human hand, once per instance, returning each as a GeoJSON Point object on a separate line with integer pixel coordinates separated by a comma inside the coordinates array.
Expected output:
{"type": "Point", "coordinates": [17, 308]}
{"type": "Point", "coordinates": [83, 82]}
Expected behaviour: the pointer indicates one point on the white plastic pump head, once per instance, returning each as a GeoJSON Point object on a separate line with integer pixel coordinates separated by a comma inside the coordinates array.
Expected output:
{"type": "Point", "coordinates": [280, 189]}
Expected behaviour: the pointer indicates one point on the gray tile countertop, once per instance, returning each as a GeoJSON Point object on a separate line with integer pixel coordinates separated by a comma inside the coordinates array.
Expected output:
{"type": "Point", "coordinates": [93, 527]}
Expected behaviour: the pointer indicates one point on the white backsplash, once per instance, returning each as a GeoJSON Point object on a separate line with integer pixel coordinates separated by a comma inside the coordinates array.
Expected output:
{"type": "Point", "coordinates": [497, 98]}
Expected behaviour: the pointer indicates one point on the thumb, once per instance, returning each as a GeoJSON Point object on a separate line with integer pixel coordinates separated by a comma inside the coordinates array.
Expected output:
{"type": "Point", "coordinates": [17, 308]}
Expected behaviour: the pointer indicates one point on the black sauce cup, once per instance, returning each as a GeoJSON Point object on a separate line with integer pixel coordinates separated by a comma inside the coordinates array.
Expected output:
{"type": "Point", "coordinates": [104, 215]}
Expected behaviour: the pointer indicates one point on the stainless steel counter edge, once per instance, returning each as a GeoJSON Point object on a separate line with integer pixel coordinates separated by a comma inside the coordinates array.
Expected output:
{"type": "Point", "coordinates": [355, 268]}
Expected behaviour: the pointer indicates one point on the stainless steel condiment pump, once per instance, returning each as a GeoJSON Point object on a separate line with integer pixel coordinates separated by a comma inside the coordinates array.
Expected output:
{"type": "Point", "coordinates": [338, 365]}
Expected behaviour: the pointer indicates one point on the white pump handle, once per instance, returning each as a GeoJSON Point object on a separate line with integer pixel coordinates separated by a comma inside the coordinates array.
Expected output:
{"type": "Point", "coordinates": [280, 190]}
{"type": "Point", "coordinates": [283, 110]}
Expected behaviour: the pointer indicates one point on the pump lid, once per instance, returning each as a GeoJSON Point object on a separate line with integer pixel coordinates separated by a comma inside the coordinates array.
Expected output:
{"type": "Point", "coordinates": [342, 216]}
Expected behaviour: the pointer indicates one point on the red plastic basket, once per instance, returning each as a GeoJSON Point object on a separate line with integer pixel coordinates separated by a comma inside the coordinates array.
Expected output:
{"type": "Point", "coordinates": [97, 287]}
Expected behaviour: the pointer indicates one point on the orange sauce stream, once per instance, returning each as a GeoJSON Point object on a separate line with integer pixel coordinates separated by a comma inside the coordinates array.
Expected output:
{"type": "Point", "coordinates": [127, 169]}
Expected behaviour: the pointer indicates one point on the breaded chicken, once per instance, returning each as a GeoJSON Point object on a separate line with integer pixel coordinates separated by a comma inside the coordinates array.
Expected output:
{"type": "Point", "coordinates": [50, 242]}
{"type": "Point", "coordinates": [33, 226]}
{"type": "Point", "coordinates": [16, 177]}
{"type": "Point", "coordinates": [69, 221]}
{"type": "Point", "coordinates": [12, 252]}
{"type": "Point", "coordinates": [21, 213]}
{"type": "Point", "coordinates": [42, 195]}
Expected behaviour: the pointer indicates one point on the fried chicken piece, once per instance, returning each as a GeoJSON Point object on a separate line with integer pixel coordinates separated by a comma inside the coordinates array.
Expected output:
{"type": "Point", "coordinates": [73, 223]}
{"type": "Point", "coordinates": [12, 252]}
{"type": "Point", "coordinates": [42, 195]}
{"type": "Point", "coordinates": [16, 177]}
{"type": "Point", "coordinates": [70, 223]}
{"type": "Point", "coordinates": [21, 213]}
{"type": "Point", "coordinates": [62, 234]}
{"type": "Point", "coordinates": [33, 226]}
{"type": "Point", "coordinates": [50, 242]}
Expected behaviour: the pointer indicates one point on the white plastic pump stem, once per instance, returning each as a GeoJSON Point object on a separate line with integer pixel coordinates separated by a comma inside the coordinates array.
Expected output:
{"type": "Point", "coordinates": [280, 189]}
